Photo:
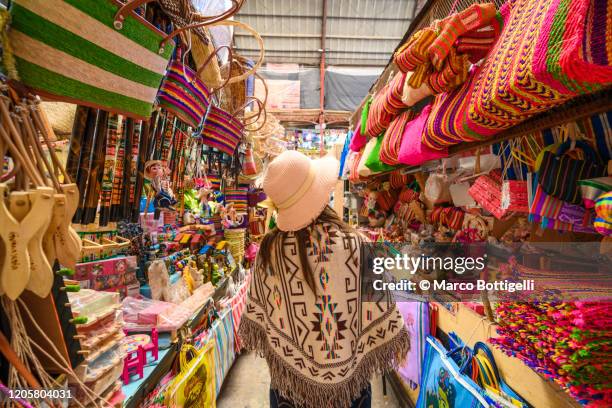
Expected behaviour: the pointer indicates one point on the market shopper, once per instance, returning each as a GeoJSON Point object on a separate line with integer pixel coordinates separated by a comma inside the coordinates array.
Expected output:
{"type": "Point", "coordinates": [305, 314]}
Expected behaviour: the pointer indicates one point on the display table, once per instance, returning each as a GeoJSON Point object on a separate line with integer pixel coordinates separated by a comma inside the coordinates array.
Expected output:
{"type": "Point", "coordinates": [132, 342]}
{"type": "Point", "coordinates": [135, 391]}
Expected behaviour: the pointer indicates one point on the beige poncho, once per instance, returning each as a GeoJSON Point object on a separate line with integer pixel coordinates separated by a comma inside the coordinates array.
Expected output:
{"type": "Point", "coordinates": [321, 349]}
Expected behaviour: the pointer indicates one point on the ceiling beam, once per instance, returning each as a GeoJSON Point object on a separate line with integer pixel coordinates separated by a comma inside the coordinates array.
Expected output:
{"type": "Point", "coordinates": [316, 17]}
{"type": "Point", "coordinates": [339, 36]}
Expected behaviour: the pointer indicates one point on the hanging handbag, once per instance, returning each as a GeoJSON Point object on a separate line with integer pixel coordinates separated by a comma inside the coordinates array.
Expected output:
{"type": "Point", "coordinates": [183, 93]}
{"type": "Point", "coordinates": [194, 385]}
{"type": "Point", "coordinates": [559, 173]}
{"type": "Point", "coordinates": [486, 191]}
{"type": "Point", "coordinates": [71, 51]}
{"type": "Point", "coordinates": [223, 130]}
{"type": "Point", "coordinates": [444, 382]}
{"type": "Point", "coordinates": [358, 141]}
{"type": "Point", "coordinates": [490, 379]}
{"type": "Point", "coordinates": [249, 167]}
{"type": "Point", "coordinates": [555, 214]}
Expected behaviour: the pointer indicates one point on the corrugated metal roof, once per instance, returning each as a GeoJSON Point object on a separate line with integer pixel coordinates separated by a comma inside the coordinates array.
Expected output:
{"type": "Point", "coordinates": [359, 32]}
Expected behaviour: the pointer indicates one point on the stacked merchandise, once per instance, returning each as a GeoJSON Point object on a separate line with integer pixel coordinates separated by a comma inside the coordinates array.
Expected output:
{"type": "Point", "coordinates": [158, 168]}
{"type": "Point", "coordinates": [100, 330]}
{"type": "Point", "coordinates": [467, 77]}
{"type": "Point", "coordinates": [568, 343]}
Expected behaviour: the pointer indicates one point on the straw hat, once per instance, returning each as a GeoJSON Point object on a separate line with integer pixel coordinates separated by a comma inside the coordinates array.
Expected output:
{"type": "Point", "coordinates": [299, 187]}
{"type": "Point", "coordinates": [147, 168]}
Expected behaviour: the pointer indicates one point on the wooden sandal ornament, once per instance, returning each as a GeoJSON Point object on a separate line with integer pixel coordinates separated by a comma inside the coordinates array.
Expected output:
{"type": "Point", "coordinates": [16, 236]}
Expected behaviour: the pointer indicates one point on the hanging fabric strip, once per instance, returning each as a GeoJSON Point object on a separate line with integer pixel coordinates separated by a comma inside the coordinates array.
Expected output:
{"type": "Point", "coordinates": [118, 179]}
{"type": "Point", "coordinates": [136, 138]}
{"type": "Point", "coordinates": [76, 139]}
{"type": "Point", "coordinates": [96, 170]}
{"type": "Point", "coordinates": [145, 142]}
{"type": "Point", "coordinates": [109, 169]}
{"type": "Point", "coordinates": [85, 161]}
{"type": "Point", "coordinates": [127, 170]}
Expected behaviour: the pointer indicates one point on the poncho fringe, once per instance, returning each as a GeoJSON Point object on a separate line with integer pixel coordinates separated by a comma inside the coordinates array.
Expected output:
{"type": "Point", "coordinates": [307, 393]}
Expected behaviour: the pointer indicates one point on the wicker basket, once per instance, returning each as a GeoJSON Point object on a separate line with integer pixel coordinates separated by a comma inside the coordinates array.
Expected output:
{"type": "Point", "coordinates": [235, 239]}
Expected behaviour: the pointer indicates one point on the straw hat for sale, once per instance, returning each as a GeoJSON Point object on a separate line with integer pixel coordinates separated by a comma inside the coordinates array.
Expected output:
{"type": "Point", "coordinates": [299, 188]}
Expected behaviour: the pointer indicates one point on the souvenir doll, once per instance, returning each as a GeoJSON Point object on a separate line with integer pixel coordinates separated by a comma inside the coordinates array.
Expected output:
{"type": "Point", "coordinates": [158, 175]}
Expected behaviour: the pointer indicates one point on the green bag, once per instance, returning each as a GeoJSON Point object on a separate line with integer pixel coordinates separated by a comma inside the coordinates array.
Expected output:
{"type": "Point", "coordinates": [373, 161]}
{"type": "Point", "coordinates": [70, 50]}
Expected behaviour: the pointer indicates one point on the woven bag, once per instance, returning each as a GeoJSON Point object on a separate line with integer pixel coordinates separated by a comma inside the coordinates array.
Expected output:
{"type": "Point", "coordinates": [525, 74]}
{"type": "Point", "coordinates": [354, 167]}
{"type": "Point", "coordinates": [222, 130]}
{"type": "Point", "coordinates": [592, 189]}
{"type": "Point", "coordinates": [358, 141]}
{"type": "Point", "coordinates": [238, 197]}
{"type": "Point", "coordinates": [392, 139]}
{"type": "Point", "coordinates": [184, 94]}
{"type": "Point", "coordinates": [514, 196]}
{"type": "Point", "coordinates": [446, 125]}
{"type": "Point", "coordinates": [249, 167]}
{"type": "Point", "coordinates": [378, 118]}
{"type": "Point", "coordinates": [412, 150]}
{"type": "Point", "coordinates": [392, 98]}
{"type": "Point", "coordinates": [386, 199]}
{"type": "Point", "coordinates": [559, 173]}
{"type": "Point", "coordinates": [397, 179]}
{"type": "Point", "coordinates": [486, 191]}
{"type": "Point", "coordinates": [373, 161]}
{"type": "Point", "coordinates": [71, 51]}
{"type": "Point", "coordinates": [603, 209]}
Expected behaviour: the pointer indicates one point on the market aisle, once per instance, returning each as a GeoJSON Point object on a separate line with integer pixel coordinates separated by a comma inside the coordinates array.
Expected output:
{"type": "Point", "coordinates": [247, 386]}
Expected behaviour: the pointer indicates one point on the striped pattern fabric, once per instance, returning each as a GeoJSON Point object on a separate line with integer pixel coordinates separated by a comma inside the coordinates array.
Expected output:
{"type": "Point", "coordinates": [603, 209]}
{"type": "Point", "coordinates": [69, 50]}
{"type": "Point", "coordinates": [378, 118]}
{"type": "Point", "coordinates": [539, 61]}
{"type": "Point", "coordinates": [183, 93]}
{"type": "Point", "coordinates": [559, 176]}
{"type": "Point", "coordinates": [592, 189]}
{"type": "Point", "coordinates": [222, 130]}
{"type": "Point", "coordinates": [222, 331]}
{"type": "Point", "coordinates": [215, 181]}
{"type": "Point", "coordinates": [553, 213]}
{"type": "Point", "coordinates": [456, 25]}
{"type": "Point", "coordinates": [446, 123]}
{"type": "Point", "coordinates": [392, 140]}
{"type": "Point", "coordinates": [238, 197]}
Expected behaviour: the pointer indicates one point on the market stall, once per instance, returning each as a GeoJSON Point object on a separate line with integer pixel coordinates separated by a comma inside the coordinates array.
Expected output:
{"type": "Point", "coordinates": [129, 198]}
{"type": "Point", "coordinates": [491, 126]}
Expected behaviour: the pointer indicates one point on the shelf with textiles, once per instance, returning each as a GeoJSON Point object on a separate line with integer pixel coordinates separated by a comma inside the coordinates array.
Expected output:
{"type": "Point", "coordinates": [573, 110]}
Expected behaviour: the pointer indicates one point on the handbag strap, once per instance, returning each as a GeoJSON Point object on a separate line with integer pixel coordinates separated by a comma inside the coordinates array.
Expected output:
{"type": "Point", "coordinates": [202, 20]}
{"type": "Point", "coordinates": [234, 23]}
{"type": "Point", "coordinates": [250, 99]}
{"type": "Point", "coordinates": [571, 144]}
{"type": "Point", "coordinates": [209, 59]}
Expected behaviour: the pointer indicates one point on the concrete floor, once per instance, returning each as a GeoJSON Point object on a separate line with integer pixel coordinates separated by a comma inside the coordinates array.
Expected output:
{"type": "Point", "coordinates": [248, 384]}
